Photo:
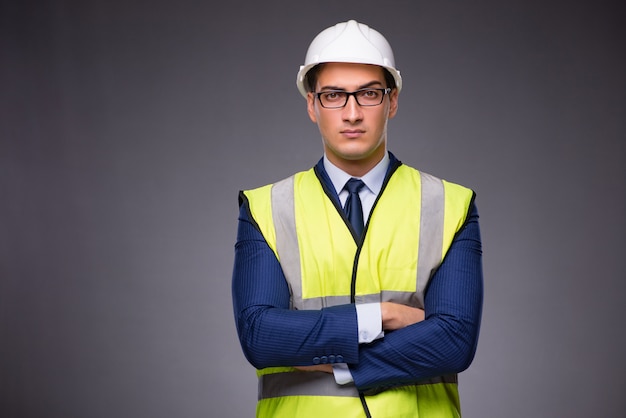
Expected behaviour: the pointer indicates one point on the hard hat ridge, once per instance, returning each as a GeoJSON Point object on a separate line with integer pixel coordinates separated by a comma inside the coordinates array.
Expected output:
{"type": "Point", "coordinates": [350, 42]}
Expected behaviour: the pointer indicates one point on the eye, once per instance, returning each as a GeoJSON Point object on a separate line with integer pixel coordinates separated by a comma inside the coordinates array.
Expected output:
{"type": "Point", "coordinates": [370, 94]}
{"type": "Point", "coordinates": [332, 95]}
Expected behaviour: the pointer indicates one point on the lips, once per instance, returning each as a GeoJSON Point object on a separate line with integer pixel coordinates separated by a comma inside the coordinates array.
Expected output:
{"type": "Point", "coordinates": [352, 133]}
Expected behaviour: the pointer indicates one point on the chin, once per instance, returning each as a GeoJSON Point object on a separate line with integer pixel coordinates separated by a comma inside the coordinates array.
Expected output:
{"type": "Point", "coordinates": [360, 153]}
{"type": "Point", "coordinates": [355, 151]}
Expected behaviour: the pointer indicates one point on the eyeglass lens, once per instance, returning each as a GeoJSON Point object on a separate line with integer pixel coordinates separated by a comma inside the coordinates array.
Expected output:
{"type": "Point", "coordinates": [364, 97]}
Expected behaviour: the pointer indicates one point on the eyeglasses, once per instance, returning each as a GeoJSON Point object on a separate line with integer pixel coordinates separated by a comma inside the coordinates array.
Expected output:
{"type": "Point", "coordinates": [336, 99]}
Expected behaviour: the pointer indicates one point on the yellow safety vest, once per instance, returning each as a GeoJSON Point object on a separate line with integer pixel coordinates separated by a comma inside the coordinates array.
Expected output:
{"type": "Point", "coordinates": [409, 231]}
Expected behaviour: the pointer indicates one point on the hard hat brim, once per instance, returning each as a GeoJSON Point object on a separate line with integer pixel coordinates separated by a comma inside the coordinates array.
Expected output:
{"type": "Point", "coordinates": [304, 69]}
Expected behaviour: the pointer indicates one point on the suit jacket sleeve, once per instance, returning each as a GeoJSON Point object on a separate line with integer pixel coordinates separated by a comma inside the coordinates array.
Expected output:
{"type": "Point", "coordinates": [270, 333]}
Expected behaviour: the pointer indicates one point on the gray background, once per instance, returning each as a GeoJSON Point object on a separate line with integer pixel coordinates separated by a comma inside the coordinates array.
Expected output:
{"type": "Point", "coordinates": [128, 127]}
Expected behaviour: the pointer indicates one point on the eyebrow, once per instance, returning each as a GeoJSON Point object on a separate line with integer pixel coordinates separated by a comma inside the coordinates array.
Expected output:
{"type": "Point", "coordinates": [363, 86]}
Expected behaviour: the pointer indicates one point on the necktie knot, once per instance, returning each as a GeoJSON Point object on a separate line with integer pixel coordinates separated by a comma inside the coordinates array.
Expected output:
{"type": "Point", "coordinates": [354, 185]}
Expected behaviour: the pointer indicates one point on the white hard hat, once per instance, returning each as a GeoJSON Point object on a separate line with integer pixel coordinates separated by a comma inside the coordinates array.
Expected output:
{"type": "Point", "coordinates": [349, 42]}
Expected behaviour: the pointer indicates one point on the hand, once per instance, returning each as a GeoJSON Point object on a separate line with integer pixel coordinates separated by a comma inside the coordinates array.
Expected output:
{"type": "Point", "coordinates": [326, 368]}
{"type": "Point", "coordinates": [396, 315]}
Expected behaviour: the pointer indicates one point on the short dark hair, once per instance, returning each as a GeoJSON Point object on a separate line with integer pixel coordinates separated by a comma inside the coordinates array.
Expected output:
{"type": "Point", "coordinates": [310, 80]}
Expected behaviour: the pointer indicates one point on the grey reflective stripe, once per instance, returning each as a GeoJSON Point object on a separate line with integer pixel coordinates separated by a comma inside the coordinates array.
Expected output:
{"type": "Point", "coordinates": [322, 302]}
{"type": "Point", "coordinates": [431, 232]}
{"type": "Point", "coordinates": [319, 384]}
{"type": "Point", "coordinates": [284, 216]}
{"type": "Point", "coordinates": [302, 384]}
{"type": "Point", "coordinates": [406, 298]}
{"type": "Point", "coordinates": [372, 298]}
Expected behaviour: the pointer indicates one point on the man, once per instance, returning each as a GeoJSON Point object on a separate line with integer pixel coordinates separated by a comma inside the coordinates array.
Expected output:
{"type": "Point", "coordinates": [357, 285]}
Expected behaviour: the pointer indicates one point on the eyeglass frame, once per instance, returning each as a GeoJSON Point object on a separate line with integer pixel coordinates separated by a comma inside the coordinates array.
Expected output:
{"type": "Point", "coordinates": [385, 91]}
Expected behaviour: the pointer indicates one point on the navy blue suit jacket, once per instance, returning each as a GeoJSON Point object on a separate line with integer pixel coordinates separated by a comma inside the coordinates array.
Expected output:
{"type": "Point", "coordinates": [273, 335]}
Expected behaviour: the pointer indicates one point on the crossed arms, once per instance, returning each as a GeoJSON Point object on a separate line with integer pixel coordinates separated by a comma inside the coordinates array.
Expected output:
{"type": "Point", "coordinates": [417, 345]}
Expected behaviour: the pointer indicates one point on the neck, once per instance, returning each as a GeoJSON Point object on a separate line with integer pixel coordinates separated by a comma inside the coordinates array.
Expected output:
{"type": "Point", "coordinates": [357, 167]}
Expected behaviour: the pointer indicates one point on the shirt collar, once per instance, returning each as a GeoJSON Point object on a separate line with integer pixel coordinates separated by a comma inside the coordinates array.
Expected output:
{"type": "Point", "coordinates": [373, 179]}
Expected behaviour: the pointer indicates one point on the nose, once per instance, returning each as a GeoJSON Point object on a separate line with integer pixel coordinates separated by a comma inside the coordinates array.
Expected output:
{"type": "Point", "coordinates": [352, 111]}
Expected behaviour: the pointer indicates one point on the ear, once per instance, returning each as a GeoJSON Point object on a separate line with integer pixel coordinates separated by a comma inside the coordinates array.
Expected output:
{"type": "Point", "coordinates": [393, 103]}
{"type": "Point", "coordinates": [310, 106]}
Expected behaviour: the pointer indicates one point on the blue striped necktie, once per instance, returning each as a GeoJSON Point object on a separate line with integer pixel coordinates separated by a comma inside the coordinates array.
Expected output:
{"type": "Point", "coordinates": [353, 207]}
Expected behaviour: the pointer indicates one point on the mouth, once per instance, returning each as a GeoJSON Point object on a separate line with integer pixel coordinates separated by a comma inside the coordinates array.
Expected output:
{"type": "Point", "coordinates": [352, 133]}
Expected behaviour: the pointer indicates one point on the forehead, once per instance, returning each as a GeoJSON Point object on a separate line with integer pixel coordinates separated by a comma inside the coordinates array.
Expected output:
{"type": "Point", "coordinates": [348, 75]}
